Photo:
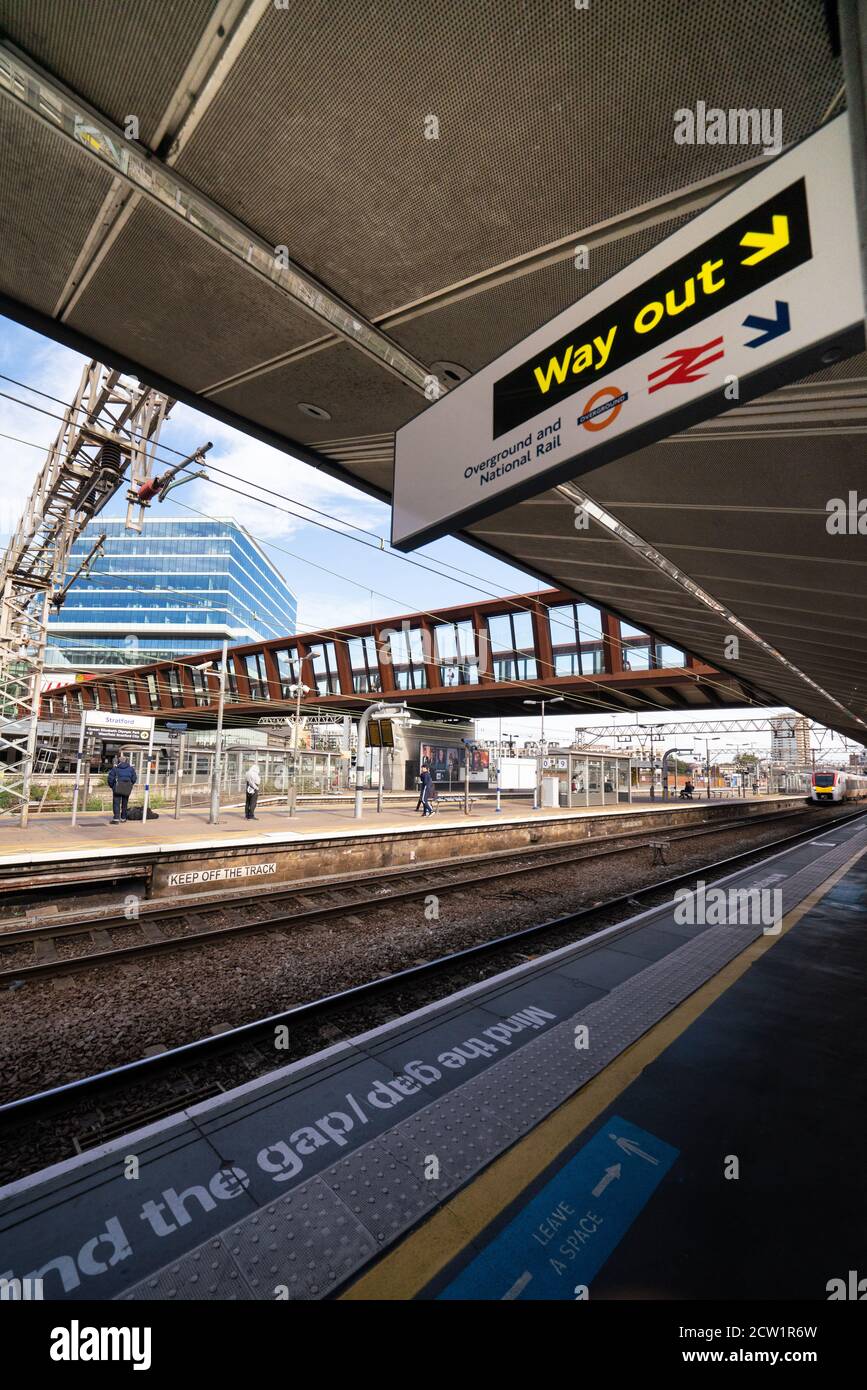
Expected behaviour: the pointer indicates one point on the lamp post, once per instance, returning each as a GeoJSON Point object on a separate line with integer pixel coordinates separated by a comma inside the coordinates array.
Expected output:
{"type": "Point", "coordinates": [296, 690]}
{"type": "Point", "coordinates": [216, 770]}
{"type": "Point", "coordinates": [378, 708]}
{"type": "Point", "coordinates": [707, 744]}
{"type": "Point", "coordinates": [555, 700]}
{"type": "Point", "coordinates": [652, 728]}
{"type": "Point", "coordinates": [665, 757]}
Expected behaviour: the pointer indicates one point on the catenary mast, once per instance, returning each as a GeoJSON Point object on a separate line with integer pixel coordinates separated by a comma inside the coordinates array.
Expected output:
{"type": "Point", "coordinates": [112, 425]}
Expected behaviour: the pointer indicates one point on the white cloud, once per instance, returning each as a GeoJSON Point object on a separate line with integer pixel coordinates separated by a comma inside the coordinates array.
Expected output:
{"type": "Point", "coordinates": [57, 370]}
{"type": "Point", "coordinates": [254, 463]}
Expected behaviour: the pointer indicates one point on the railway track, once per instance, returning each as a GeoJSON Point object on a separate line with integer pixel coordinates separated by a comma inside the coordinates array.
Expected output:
{"type": "Point", "coordinates": [105, 939]}
{"type": "Point", "coordinates": [190, 1072]}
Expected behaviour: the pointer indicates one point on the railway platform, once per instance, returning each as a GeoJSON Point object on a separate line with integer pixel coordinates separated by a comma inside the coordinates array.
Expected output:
{"type": "Point", "coordinates": [170, 858]}
{"type": "Point", "coordinates": [54, 834]}
{"type": "Point", "coordinates": [629, 1116]}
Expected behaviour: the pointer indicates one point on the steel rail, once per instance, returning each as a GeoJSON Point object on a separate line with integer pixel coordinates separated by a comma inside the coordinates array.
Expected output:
{"type": "Point", "coordinates": [50, 931]}
{"type": "Point", "coordinates": [56, 1096]}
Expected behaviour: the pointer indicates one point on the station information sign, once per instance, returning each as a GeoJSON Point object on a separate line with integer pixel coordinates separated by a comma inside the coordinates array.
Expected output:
{"type": "Point", "coordinates": [107, 724]}
{"type": "Point", "coordinates": [761, 288]}
{"type": "Point", "coordinates": [380, 733]}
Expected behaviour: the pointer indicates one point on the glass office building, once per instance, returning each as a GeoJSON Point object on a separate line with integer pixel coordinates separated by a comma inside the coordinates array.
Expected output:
{"type": "Point", "coordinates": [178, 587]}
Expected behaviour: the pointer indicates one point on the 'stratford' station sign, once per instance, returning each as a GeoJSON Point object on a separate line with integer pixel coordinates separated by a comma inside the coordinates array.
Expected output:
{"type": "Point", "coordinates": [107, 724]}
{"type": "Point", "coordinates": [761, 288]}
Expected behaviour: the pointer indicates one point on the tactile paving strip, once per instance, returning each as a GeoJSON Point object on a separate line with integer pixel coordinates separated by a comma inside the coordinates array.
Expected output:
{"type": "Point", "coordinates": [301, 1246]}
{"type": "Point", "coordinates": [379, 1190]}
{"type": "Point", "coordinates": [318, 1235]}
{"type": "Point", "coordinates": [206, 1273]}
{"type": "Point", "coordinates": [459, 1131]}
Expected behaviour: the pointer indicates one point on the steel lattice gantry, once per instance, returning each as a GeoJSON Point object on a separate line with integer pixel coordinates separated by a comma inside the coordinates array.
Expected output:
{"type": "Point", "coordinates": [112, 424]}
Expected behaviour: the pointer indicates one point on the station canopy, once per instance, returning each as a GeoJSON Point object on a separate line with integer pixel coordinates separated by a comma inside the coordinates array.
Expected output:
{"type": "Point", "coordinates": [292, 216]}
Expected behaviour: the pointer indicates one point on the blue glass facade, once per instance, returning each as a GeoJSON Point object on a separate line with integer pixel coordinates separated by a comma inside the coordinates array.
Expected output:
{"type": "Point", "coordinates": [179, 587]}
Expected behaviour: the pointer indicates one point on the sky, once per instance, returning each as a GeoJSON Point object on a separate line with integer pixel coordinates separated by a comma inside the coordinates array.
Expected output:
{"type": "Point", "coordinates": [337, 580]}
{"type": "Point", "coordinates": [361, 584]}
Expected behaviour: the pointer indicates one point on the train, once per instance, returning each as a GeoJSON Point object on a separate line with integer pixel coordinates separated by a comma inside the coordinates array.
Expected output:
{"type": "Point", "coordinates": [838, 786]}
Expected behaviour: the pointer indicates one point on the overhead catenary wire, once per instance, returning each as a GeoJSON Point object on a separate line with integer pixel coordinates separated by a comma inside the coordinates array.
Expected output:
{"type": "Point", "coordinates": [379, 545]}
{"type": "Point", "coordinates": [536, 686]}
{"type": "Point", "coordinates": [380, 542]}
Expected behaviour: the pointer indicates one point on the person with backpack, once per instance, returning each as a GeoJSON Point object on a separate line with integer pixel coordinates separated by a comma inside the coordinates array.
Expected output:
{"type": "Point", "coordinates": [121, 778]}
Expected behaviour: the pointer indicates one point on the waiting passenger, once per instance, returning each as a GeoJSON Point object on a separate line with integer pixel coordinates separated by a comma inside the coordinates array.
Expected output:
{"type": "Point", "coordinates": [419, 805]}
{"type": "Point", "coordinates": [254, 781]}
{"type": "Point", "coordinates": [121, 778]}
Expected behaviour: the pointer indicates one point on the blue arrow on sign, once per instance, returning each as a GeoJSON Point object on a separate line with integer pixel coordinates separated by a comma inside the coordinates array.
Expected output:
{"type": "Point", "coordinates": [771, 328]}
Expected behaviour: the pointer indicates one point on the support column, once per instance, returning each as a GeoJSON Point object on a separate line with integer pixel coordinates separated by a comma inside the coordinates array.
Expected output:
{"type": "Point", "coordinates": [272, 675]}
{"type": "Point", "coordinates": [344, 668]}
{"type": "Point", "coordinates": [542, 641]}
{"type": "Point", "coordinates": [483, 647]}
{"type": "Point", "coordinates": [431, 668]}
{"type": "Point", "coordinates": [78, 766]}
{"type": "Point", "coordinates": [612, 651]}
{"type": "Point", "coordinates": [383, 659]}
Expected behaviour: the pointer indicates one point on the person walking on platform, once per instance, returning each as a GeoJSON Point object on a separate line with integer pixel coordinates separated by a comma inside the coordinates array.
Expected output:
{"type": "Point", "coordinates": [426, 788]}
{"type": "Point", "coordinates": [121, 778]}
{"type": "Point", "coordinates": [420, 803]}
{"type": "Point", "coordinates": [254, 781]}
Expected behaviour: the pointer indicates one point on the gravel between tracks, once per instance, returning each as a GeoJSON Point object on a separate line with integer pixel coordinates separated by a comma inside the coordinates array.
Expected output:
{"type": "Point", "coordinates": [59, 1029]}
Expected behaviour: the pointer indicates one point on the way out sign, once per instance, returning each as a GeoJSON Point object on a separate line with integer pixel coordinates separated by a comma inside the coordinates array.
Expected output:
{"type": "Point", "coordinates": [760, 289]}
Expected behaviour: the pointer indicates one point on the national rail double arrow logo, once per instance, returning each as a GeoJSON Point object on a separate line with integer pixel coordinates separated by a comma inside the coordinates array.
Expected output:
{"type": "Point", "coordinates": [686, 365]}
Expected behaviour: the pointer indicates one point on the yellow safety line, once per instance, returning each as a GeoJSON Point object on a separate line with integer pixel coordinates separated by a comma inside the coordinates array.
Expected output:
{"type": "Point", "coordinates": [411, 1265]}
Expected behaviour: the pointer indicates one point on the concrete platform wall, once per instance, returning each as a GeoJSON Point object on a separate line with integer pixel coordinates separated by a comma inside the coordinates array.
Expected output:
{"type": "Point", "coordinates": [218, 866]}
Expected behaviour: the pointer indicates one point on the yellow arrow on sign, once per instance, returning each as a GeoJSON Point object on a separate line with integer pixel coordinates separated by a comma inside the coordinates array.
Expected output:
{"type": "Point", "coordinates": [767, 242]}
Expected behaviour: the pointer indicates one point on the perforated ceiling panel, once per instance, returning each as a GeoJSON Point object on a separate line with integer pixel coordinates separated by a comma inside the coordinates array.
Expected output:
{"type": "Point", "coordinates": [551, 119]}
{"type": "Point", "coordinates": [852, 369]}
{"type": "Point", "coordinates": [470, 332]}
{"type": "Point", "coordinates": [125, 57]}
{"type": "Point", "coordinates": [749, 530]}
{"type": "Point", "coordinates": [478, 327]}
{"type": "Point", "coordinates": [359, 396]}
{"type": "Point", "coordinates": [169, 300]}
{"type": "Point", "coordinates": [753, 532]}
{"type": "Point", "coordinates": [44, 184]}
